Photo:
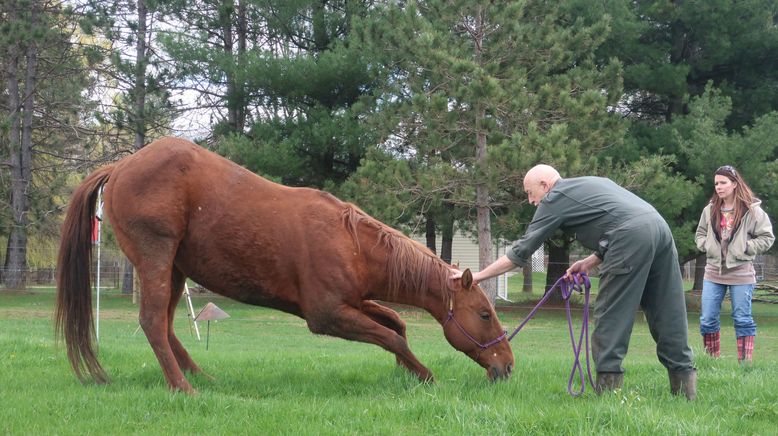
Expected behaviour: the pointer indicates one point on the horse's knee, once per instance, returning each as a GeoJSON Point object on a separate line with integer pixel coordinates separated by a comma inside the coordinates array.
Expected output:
{"type": "Point", "coordinates": [400, 327]}
{"type": "Point", "coordinates": [396, 324]}
{"type": "Point", "coordinates": [319, 326]}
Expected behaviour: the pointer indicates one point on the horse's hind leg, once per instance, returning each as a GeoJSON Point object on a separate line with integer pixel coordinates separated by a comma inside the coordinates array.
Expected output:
{"type": "Point", "coordinates": [176, 291]}
{"type": "Point", "coordinates": [350, 323]}
{"type": "Point", "coordinates": [387, 318]}
{"type": "Point", "coordinates": [155, 274]}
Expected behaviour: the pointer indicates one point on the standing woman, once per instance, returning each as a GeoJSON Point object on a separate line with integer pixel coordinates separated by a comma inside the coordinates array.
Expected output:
{"type": "Point", "coordinates": [733, 229]}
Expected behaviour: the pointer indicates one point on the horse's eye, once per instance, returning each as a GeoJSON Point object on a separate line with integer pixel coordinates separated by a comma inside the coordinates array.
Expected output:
{"type": "Point", "coordinates": [486, 316]}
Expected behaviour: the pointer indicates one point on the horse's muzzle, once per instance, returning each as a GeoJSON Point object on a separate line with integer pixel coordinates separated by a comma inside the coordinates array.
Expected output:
{"type": "Point", "coordinates": [496, 373]}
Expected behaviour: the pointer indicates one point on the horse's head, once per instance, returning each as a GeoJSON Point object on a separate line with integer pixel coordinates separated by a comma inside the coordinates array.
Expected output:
{"type": "Point", "coordinates": [472, 327]}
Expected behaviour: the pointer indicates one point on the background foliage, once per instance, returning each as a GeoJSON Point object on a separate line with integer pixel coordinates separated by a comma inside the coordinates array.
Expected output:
{"type": "Point", "coordinates": [430, 133]}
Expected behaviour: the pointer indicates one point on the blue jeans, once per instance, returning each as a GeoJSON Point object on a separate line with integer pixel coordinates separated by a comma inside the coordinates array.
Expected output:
{"type": "Point", "coordinates": [713, 295]}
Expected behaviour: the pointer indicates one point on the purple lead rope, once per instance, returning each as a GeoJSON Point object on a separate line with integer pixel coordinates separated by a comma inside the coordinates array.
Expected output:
{"type": "Point", "coordinates": [581, 284]}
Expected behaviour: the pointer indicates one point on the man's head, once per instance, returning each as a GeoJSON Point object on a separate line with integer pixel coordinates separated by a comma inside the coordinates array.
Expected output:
{"type": "Point", "coordinates": [538, 181]}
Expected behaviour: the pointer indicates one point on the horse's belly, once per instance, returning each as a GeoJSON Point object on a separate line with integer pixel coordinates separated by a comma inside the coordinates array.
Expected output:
{"type": "Point", "coordinates": [248, 292]}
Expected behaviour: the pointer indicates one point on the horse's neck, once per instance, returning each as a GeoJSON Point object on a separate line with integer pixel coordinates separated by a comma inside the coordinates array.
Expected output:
{"type": "Point", "coordinates": [433, 297]}
{"type": "Point", "coordinates": [435, 301]}
{"type": "Point", "coordinates": [378, 244]}
{"type": "Point", "coordinates": [410, 293]}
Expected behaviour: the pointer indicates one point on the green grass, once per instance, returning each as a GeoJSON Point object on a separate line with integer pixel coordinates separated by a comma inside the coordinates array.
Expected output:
{"type": "Point", "coordinates": [272, 376]}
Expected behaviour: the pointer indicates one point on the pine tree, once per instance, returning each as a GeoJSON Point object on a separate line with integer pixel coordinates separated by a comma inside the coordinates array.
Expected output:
{"type": "Point", "coordinates": [43, 80]}
{"type": "Point", "coordinates": [671, 52]}
{"type": "Point", "coordinates": [481, 91]}
{"type": "Point", "coordinates": [283, 80]}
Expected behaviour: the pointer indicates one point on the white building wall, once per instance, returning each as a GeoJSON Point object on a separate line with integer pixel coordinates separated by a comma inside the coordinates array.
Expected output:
{"type": "Point", "coordinates": [465, 252]}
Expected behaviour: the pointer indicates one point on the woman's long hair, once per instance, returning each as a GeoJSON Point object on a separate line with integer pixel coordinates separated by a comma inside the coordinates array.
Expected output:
{"type": "Point", "coordinates": [744, 197]}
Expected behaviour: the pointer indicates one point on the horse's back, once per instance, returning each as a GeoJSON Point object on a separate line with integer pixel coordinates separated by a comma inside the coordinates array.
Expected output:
{"type": "Point", "coordinates": [235, 232]}
{"type": "Point", "coordinates": [175, 180]}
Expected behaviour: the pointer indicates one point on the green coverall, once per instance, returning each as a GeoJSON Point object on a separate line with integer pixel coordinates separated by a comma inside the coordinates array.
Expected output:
{"type": "Point", "coordinates": [639, 266]}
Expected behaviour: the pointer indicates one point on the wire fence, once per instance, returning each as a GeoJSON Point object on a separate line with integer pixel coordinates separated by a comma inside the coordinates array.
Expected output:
{"type": "Point", "coordinates": [43, 270]}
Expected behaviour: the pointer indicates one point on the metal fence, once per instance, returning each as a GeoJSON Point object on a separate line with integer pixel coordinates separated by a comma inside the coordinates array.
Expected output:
{"type": "Point", "coordinates": [111, 270]}
{"type": "Point", "coordinates": [112, 265]}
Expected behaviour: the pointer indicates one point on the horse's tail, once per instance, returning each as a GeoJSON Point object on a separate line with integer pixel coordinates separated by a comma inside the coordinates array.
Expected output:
{"type": "Point", "coordinates": [73, 315]}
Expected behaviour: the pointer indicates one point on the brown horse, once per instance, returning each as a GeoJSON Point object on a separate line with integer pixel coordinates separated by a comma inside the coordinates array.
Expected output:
{"type": "Point", "coordinates": [181, 211]}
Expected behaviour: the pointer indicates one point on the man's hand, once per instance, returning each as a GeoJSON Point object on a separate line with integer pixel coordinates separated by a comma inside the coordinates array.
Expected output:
{"type": "Point", "coordinates": [582, 266]}
{"type": "Point", "coordinates": [457, 274]}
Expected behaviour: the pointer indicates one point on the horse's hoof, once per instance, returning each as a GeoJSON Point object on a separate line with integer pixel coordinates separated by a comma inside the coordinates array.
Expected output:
{"type": "Point", "coordinates": [207, 376]}
{"type": "Point", "coordinates": [427, 378]}
{"type": "Point", "coordinates": [185, 388]}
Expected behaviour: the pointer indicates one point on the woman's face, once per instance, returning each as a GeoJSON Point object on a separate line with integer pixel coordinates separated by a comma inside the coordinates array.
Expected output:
{"type": "Point", "coordinates": [725, 188]}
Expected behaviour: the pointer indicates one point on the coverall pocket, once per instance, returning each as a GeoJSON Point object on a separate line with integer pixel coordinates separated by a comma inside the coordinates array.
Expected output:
{"type": "Point", "coordinates": [617, 269]}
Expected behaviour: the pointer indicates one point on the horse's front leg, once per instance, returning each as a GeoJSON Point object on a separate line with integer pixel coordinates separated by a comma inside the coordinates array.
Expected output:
{"type": "Point", "coordinates": [350, 323]}
{"type": "Point", "coordinates": [387, 318]}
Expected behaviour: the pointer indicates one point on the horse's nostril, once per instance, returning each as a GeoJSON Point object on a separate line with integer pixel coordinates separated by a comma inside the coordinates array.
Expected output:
{"type": "Point", "coordinates": [509, 369]}
{"type": "Point", "coordinates": [495, 373]}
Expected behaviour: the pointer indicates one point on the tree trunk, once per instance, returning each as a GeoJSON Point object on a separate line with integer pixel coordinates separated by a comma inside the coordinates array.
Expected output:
{"type": "Point", "coordinates": [233, 20]}
{"type": "Point", "coordinates": [242, 36]}
{"type": "Point", "coordinates": [20, 153]}
{"type": "Point", "coordinates": [527, 272]}
{"type": "Point", "coordinates": [558, 262]}
{"type": "Point", "coordinates": [226, 23]}
{"type": "Point", "coordinates": [430, 233]}
{"type": "Point", "coordinates": [141, 60]}
{"type": "Point", "coordinates": [12, 274]}
{"type": "Point", "coordinates": [699, 271]}
{"type": "Point", "coordinates": [127, 282]}
{"type": "Point", "coordinates": [483, 212]}
{"type": "Point", "coordinates": [485, 257]}
{"type": "Point", "coordinates": [676, 105]}
{"type": "Point", "coordinates": [321, 38]}
{"type": "Point", "coordinates": [447, 238]}
{"type": "Point", "coordinates": [141, 57]}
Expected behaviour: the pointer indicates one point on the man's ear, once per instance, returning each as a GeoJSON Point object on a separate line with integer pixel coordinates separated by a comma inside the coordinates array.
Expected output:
{"type": "Point", "coordinates": [467, 279]}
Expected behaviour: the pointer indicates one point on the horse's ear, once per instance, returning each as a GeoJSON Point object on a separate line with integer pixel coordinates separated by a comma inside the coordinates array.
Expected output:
{"type": "Point", "coordinates": [455, 265]}
{"type": "Point", "coordinates": [467, 279]}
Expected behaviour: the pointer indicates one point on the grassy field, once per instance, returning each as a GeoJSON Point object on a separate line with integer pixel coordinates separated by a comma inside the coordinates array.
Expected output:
{"type": "Point", "coordinates": [274, 377]}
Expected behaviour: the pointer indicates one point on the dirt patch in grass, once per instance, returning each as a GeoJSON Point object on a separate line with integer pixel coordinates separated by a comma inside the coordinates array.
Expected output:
{"type": "Point", "coordinates": [16, 313]}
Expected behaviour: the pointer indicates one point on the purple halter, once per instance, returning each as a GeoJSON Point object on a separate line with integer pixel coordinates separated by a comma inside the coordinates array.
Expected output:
{"type": "Point", "coordinates": [494, 341]}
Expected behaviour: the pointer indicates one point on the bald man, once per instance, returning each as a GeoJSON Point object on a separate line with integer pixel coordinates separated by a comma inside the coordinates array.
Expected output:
{"type": "Point", "coordinates": [638, 267]}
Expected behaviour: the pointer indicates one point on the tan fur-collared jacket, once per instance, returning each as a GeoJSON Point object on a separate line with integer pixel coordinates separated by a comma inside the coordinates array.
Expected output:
{"type": "Point", "coordinates": [753, 236]}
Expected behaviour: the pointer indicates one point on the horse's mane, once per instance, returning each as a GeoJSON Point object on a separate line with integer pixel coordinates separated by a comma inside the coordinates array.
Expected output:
{"type": "Point", "coordinates": [410, 264]}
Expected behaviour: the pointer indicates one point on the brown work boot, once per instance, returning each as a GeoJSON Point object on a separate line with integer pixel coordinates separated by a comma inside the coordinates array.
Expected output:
{"type": "Point", "coordinates": [684, 381]}
{"type": "Point", "coordinates": [608, 381]}
{"type": "Point", "coordinates": [712, 344]}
